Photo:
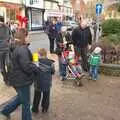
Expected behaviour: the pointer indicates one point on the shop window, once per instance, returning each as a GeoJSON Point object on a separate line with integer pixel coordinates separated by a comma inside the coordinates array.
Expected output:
{"type": "Point", "coordinates": [11, 14]}
{"type": "Point", "coordinates": [55, 6]}
{"type": "Point", "coordinates": [36, 18]}
{"type": "Point", "coordinates": [47, 5]}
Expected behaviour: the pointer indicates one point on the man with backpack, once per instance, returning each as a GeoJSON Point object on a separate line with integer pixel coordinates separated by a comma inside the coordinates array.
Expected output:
{"type": "Point", "coordinates": [5, 38]}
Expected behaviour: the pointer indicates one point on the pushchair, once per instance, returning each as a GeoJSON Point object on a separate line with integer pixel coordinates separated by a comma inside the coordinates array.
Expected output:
{"type": "Point", "coordinates": [73, 71]}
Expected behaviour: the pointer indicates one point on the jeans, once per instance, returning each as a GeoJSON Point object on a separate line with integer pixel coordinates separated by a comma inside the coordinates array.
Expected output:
{"type": "Point", "coordinates": [62, 69]}
{"type": "Point", "coordinates": [51, 44]}
{"type": "Point", "coordinates": [94, 72]}
{"type": "Point", "coordinates": [22, 97]}
{"type": "Point", "coordinates": [77, 69]}
{"type": "Point", "coordinates": [37, 99]}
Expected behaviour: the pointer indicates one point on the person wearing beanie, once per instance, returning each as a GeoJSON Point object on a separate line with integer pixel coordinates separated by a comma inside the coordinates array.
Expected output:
{"type": "Point", "coordinates": [94, 62]}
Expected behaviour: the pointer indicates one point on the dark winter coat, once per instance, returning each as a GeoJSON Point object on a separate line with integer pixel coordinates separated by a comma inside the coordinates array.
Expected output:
{"type": "Point", "coordinates": [81, 37]}
{"type": "Point", "coordinates": [52, 31]}
{"type": "Point", "coordinates": [5, 37]}
{"type": "Point", "coordinates": [59, 37]}
{"type": "Point", "coordinates": [44, 80]}
{"type": "Point", "coordinates": [22, 67]}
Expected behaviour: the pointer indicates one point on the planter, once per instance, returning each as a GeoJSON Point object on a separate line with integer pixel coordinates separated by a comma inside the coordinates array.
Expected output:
{"type": "Point", "coordinates": [110, 69]}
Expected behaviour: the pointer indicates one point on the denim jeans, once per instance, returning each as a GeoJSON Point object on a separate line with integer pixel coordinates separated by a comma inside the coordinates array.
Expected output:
{"type": "Point", "coordinates": [62, 69]}
{"type": "Point", "coordinates": [76, 69]}
{"type": "Point", "coordinates": [22, 97]}
{"type": "Point", "coordinates": [94, 72]}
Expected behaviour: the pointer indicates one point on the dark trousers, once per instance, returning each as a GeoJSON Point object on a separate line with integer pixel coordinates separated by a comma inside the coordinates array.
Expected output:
{"type": "Point", "coordinates": [51, 44]}
{"type": "Point", "coordinates": [3, 63]}
{"type": "Point", "coordinates": [83, 53]}
{"type": "Point", "coordinates": [37, 98]}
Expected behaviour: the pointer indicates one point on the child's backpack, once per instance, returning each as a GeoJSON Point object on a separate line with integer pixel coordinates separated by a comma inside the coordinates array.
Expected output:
{"type": "Point", "coordinates": [94, 60]}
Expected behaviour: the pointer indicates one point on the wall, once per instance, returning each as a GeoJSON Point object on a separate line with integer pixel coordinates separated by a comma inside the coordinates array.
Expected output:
{"type": "Point", "coordinates": [12, 1]}
{"type": "Point", "coordinates": [39, 4]}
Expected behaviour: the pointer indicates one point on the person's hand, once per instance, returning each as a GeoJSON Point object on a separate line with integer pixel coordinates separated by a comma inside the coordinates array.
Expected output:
{"type": "Point", "coordinates": [89, 47]}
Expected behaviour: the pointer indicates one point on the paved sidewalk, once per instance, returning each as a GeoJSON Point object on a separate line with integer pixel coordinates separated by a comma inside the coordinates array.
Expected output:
{"type": "Point", "coordinates": [36, 32]}
{"type": "Point", "coordinates": [6, 93]}
{"type": "Point", "coordinates": [96, 100]}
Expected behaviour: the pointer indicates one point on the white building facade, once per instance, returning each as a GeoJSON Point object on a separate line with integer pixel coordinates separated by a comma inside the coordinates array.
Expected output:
{"type": "Point", "coordinates": [58, 8]}
{"type": "Point", "coordinates": [66, 8]}
{"type": "Point", "coordinates": [34, 10]}
{"type": "Point", "coordinates": [52, 9]}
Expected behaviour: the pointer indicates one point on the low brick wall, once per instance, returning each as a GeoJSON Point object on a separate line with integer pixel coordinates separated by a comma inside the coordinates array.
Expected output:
{"type": "Point", "coordinates": [110, 69]}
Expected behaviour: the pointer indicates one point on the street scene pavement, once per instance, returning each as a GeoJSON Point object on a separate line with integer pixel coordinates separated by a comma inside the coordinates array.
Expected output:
{"type": "Point", "coordinates": [96, 100]}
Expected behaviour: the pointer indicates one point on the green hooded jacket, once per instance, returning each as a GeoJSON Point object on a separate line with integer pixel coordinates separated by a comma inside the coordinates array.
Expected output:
{"type": "Point", "coordinates": [94, 59]}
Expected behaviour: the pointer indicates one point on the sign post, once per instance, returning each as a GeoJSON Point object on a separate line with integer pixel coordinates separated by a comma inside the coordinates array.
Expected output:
{"type": "Point", "coordinates": [98, 12]}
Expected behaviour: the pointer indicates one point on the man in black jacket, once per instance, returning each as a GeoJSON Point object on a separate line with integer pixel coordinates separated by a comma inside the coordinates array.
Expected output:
{"type": "Point", "coordinates": [5, 37]}
{"type": "Point", "coordinates": [52, 32]}
{"type": "Point", "coordinates": [82, 39]}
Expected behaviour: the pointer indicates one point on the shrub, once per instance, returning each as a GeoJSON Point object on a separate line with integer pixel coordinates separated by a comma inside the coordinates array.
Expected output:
{"type": "Point", "coordinates": [111, 26]}
{"type": "Point", "coordinates": [114, 38]}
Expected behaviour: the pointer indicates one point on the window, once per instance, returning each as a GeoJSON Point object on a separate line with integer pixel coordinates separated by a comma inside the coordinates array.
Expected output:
{"type": "Point", "coordinates": [11, 14]}
{"type": "Point", "coordinates": [34, 1]}
{"type": "Point", "coordinates": [36, 18]}
{"type": "Point", "coordinates": [47, 5]}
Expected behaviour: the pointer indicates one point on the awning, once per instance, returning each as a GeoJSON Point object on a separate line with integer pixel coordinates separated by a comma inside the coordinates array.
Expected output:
{"type": "Point", "coordinates": [10, 5]}
{"type": "Point", "coordinates": [55, 14]}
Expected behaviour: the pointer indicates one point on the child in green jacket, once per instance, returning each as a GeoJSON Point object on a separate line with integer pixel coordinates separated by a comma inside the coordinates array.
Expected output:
{"type": "Point", "coordinates": [94, 62]}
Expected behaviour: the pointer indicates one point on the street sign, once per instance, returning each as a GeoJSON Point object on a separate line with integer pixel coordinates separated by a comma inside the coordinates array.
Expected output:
{"type": "Point", "coordinates": [98, 9]}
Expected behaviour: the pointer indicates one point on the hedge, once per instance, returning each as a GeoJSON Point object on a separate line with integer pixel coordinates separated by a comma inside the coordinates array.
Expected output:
{"type": "Point", "coordinates": [111, 26]}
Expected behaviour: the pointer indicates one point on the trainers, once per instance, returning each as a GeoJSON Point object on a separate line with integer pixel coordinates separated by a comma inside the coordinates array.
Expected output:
{"type": "Point", "coordinates": [3, 117]}
{"type": "Point", "coordinates": [35, 110]}
{"type": "Point", "coordinates": [44, 110]}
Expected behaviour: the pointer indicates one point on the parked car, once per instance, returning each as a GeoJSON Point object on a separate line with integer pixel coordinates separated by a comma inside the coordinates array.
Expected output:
{"type": "Point", "coordinates": [70, 25]}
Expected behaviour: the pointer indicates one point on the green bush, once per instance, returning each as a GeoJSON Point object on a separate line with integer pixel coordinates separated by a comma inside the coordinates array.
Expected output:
{"type": "Point", "coordinates": [111, 26]}
{"type": "Point", "coordinates": [114, 38]}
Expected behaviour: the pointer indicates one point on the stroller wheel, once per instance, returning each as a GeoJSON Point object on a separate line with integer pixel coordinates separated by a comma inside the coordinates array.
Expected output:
{"type": "Point", "coordinates": [79, 83]}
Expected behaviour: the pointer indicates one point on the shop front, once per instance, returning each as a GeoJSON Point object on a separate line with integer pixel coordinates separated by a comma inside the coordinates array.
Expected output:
{"type": "Point", "coordinates": [35, 18]}
{"type": "Point", "coordinates": [10, 10]}
{"type": "Point", "coordinates": [49, 14]}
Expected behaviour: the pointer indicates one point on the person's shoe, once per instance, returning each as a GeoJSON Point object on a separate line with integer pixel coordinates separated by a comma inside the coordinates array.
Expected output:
{"type": "Point", "coordinates": [94, 79]}
{"type": "Point", "coordinates": [3, 117]}
{"type": "Point", "coordinates": [44, 110]}
{"type": "Point", "coordinates": [35, 110]}
{"type": "Point", "coordinates": [63, 79]}
{"type": "Point", "coordinates": [52, 52]}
